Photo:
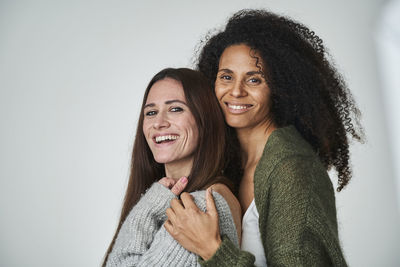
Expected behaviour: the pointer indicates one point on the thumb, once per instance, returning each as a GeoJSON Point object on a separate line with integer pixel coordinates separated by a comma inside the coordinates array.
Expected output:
{"type": "Point", "coordinates": [210, 204]}
{"type": "Point", "coordinates": [179, 186]}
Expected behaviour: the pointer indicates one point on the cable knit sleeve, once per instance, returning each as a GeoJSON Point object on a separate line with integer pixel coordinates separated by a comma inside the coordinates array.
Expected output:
{"type": "Point", "coordinates": [142, 241]}
{"type": "Point", "coordinates": [229, 255]}
{"type": "Point", "coordinates": [140, 226]}
{"type": "Point", "coordinates": [166, 251]}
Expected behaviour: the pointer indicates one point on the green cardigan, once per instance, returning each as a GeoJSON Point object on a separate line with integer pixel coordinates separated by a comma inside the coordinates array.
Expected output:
{"type": "Point", "coordinates": [296, 203]}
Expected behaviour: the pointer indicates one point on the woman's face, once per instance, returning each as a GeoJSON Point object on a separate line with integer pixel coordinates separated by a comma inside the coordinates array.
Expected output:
{"type": "Point", "coordinates": [169, 126]}
{"type": "Point", "coordinates": [241, 88]}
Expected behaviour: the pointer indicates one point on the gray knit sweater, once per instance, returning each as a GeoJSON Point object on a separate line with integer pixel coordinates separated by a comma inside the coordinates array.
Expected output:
{"type": "Point", "coordinates": [143, 240]}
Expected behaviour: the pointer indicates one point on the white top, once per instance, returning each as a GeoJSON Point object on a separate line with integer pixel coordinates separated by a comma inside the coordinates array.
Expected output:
{"type": "Point", "coordinates": [251, 238]}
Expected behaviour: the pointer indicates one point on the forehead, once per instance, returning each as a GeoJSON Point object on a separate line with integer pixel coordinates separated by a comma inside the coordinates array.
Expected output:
{"type": "Point", "coordinates": [164, 90]}
{"type": "Point", "coordinates": [237, 57]}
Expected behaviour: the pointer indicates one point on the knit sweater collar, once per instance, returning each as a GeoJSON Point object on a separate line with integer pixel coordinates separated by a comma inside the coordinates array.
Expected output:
{"type": "Point", "coordinates": [283, 142]}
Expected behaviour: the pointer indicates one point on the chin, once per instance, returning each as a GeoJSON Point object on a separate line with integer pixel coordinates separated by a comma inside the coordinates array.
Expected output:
{"type": "Point", "coordinates": [162, 159]}
{"type": "Point", "coordinates": [237, 123]}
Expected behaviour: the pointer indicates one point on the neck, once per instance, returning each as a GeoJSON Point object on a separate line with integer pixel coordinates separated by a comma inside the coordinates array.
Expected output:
{"type": "Point", "coordinates": [178, 169]}
{"type": "Point", "coordinates": [252, 142]}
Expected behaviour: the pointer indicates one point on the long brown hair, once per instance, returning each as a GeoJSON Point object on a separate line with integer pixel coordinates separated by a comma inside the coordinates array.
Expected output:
{"type": "Point", "coordinates": [210, 157]}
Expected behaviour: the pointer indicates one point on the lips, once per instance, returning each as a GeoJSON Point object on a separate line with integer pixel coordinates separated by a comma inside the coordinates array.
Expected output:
{"type": "Point", "coordinates": [238, 108]}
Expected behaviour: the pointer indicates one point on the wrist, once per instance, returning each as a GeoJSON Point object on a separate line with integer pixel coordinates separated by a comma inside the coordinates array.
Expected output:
{"type": "Point", "coordinates": [212, 247]}
{"type": "Point", "coordinates": [158, 197]}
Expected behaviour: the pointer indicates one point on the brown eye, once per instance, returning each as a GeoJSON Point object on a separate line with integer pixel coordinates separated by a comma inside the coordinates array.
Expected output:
{"type": "Point", "coordinates": [254, 80]}
{"type": "Point", "coordinates": [226, 77]}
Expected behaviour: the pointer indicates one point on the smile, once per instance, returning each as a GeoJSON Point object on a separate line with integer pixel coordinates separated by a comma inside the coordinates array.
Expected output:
{"type": "Point", "coordinates": [238, 108]}
{"type": "Point", "coordinates": [165, 138]}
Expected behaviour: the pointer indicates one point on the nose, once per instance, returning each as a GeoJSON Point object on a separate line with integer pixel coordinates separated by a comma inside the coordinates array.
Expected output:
{"type": "Point", "coordinates": [161, 121]}
{"type": "Point", "coordinates": [238, 89]}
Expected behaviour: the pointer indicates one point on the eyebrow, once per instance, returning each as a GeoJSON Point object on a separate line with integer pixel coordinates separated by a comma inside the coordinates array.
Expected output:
{"type": "Point", "coordinates": [168, 102]}
{"type": "Point", "coordinates": [226, 70]}
{"type": "Point", "coordinates": [247, 73]}
{"type": "Point", "coordinates": [254, 72]}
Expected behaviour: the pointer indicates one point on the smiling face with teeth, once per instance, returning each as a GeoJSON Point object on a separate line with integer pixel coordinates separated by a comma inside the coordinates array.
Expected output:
{"type": "Point", "coordinates": [241, 88]}
{"type": "Point", "coordinates": [169, 126]}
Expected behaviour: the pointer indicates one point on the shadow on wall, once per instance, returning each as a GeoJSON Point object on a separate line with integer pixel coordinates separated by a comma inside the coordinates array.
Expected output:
{"type": "Point", "coordinates": [387, 40]}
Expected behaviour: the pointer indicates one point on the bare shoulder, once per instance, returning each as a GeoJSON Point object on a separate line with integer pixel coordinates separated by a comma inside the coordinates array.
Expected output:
{"type": "Point", "coordinates": [221, 189]}
{"type": "Point", "coordinates": [227, 194]}
{"type": "Point", "coordinates": [233, 203]}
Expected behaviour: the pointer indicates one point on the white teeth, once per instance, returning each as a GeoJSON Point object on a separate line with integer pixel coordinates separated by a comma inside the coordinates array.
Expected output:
{"type": "Point", "coordinates": [237, 107]}
{"type": "Point", "coordinates": [165, 137]}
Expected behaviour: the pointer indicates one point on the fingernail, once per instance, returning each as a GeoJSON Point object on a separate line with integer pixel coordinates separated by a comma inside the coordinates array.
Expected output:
{"type": "Point", "coordinates": [184, 180]}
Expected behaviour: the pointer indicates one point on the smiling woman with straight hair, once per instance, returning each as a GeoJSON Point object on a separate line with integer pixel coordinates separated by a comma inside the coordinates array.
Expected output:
{"type": "Point", "coordinates": [180, 136]}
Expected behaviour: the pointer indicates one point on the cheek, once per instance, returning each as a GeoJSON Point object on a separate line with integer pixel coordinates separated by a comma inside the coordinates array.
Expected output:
{"type": "Point", "coordinates": [219, 91]}
{"type": "Point", "coordinates": [263, 96]}
{"type": "Point", "coordinates": [193, 131]}
{"type": "Point", "coordinates": [265, 99]}
{"type": "Point", "coordinates": [195, 134]}
{"type": "Point", "coordinates": [146, 129]}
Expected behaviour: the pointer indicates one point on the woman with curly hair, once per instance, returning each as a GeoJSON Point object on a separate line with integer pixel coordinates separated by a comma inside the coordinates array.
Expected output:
{"type": "Point", "coordinates": [293, 115]}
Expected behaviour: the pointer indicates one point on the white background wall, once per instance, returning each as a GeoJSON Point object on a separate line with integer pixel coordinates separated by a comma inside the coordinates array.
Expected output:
{"type": "Point", "coordinates": [72, 76]}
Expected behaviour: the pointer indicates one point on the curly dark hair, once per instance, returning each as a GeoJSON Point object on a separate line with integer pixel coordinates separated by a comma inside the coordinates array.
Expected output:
{"type": "Point", "coordinates": [306, 89]}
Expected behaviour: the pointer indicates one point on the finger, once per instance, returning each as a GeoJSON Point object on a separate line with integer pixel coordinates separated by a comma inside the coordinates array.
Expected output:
{"type": "Point", "coordinates": [210, 204]}
{"type": "Point", "coordinates": [176, 206]}
{"type": "Point", "coordinates": [169, 227]}
{"type": "Point", "coordinates": [179, 186]}
{"type": "Point", "coordinates": [171, 215]}
{"type": "Point", "coordinates": [188, 202]}
{"type": "Point", "coordinates": [167, 182]}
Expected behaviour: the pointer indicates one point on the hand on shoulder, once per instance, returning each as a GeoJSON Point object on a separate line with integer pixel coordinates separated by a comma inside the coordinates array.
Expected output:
{"type": "Point", "coordinates": [233, 203]}
{"type": "Point", "coordinates": [176, 185]}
